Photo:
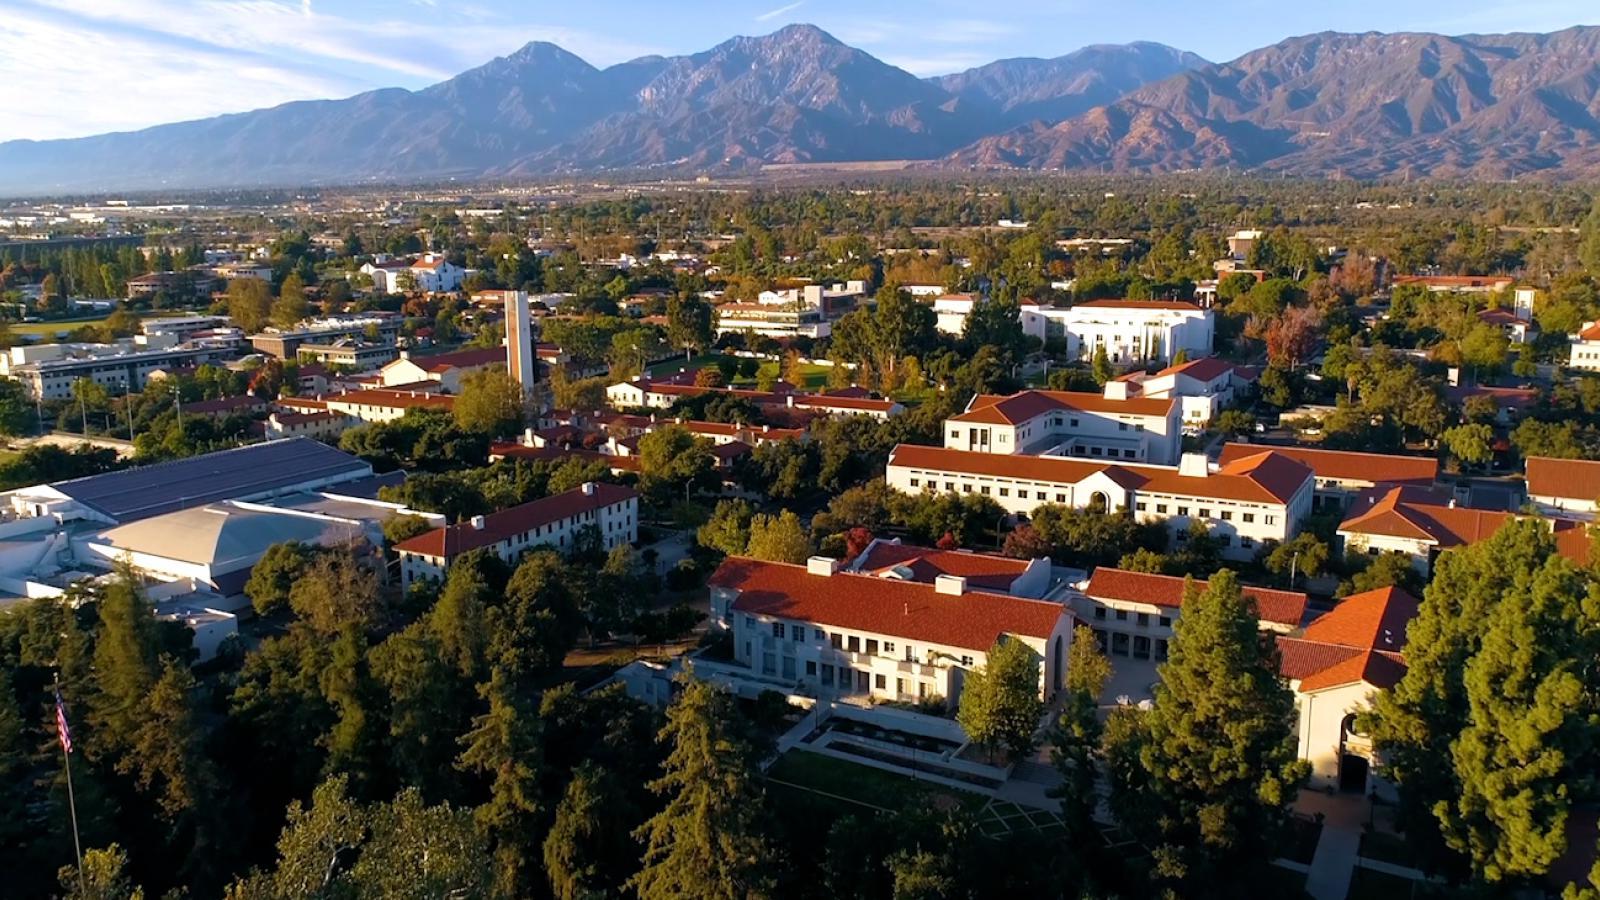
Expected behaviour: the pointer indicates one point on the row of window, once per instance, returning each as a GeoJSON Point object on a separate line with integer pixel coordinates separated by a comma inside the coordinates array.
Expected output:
{"type": "Point", "coordinates": [1204, 512]}
{"type": "Point", "coordinates": [984, 489]}
{"type": "Point", "coordinates": [1140, 619]}
{"type": "Point", "coordinates": [850, 643]}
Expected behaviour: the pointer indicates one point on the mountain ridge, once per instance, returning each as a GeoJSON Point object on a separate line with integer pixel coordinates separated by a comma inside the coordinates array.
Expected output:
{"type": "Point", "coordinates": [1329, 104]}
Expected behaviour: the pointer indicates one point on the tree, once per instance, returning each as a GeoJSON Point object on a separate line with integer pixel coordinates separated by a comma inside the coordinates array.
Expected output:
{"type": "Point", "coordinates": [504, 742]}
{"type": "Point", "coordinates": [778, 538]}
{"type": "Point", "coordinates": [16, 410]}
{"type": "Point", "coordinates": [249, 304]}
{"type": "Point", "coordinates": [1481, 732]}
{"type": "Point", "coordinates": [589, 846]}
{"type": "Point", "coordinates": [274, 575]}
{"type": "Point", "coordinates": [337, 591]}
{"type": "Point", "coordinates": [1207, 775]}
{"type": "Point", "coordinates": [290, 307]}
{"type": "Point", "coordinates": [1075, 741]}
{"type": "Point", "coordinates": [1473, 444]}
{"type": "Point", "coordinates": [691, 323]}
{"type": "Point", "coordinates": [671, 461]}
{"type": "Point", "coordinates": [104, 877]}
{"type": "Point", "coordinates": [1102, 366]}
{"type": "Point", "coordinates": [1235, 422]}
{"type": "Point", "coordinates": [708, 842]}
{"type": "Point", "coordinates": [1304, 554]}
{"type": "Point", "coordinates": [728, 529]}
{"type": "Point", "coordinates": [1000, 704]}
{"type": "Point", "coordinates": [490, 403]}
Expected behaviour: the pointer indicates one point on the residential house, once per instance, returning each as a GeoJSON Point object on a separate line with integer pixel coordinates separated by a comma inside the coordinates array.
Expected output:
{"type": "Point", "coordinates": [429, 273]}
{"type": "Point", "coordinates": [1585, 351]}
{"type": "Point", "coordinates": [832, 632]}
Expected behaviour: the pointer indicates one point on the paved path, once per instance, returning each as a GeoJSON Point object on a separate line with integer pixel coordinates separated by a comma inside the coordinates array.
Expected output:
{"type": "Point", "coordinates": [1339, 845]}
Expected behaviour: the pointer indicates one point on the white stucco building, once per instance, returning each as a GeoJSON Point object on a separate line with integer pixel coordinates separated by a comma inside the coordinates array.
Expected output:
{"type": "Point", "coordinates": [837, 633]}
{"type": "Point", "coordinates": [430, 273]}
{"type": "Point", "coordinates": [1244, 504]}
{"type": "Point", "coordinates": [1067, 423]}
{"type": "Point", "coordinates": [1132, 613]}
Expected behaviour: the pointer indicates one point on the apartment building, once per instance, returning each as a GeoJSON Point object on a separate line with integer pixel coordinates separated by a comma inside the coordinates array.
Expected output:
{"type": "Point", "coordinates": [48, 371]}
{"type": "Point", "coordinates": [1245, 504]}
{"type": "Point", "coordinates": [1342, 475]}
{"type": "Point", "coordinates": [1064, 423]}
{"type": "Point", "coordinates": [1132, 613]}
{"type": "Point", "coordinates": [381, 405]}
{"type": "Point", "coordinates": [1131, 331]}
{"type": "Point", "coordinates": [1202, 388]}
{"type": "Point", "coordinates": [554, 522]}
{"type": "Point", "coordinates": [831, 632]}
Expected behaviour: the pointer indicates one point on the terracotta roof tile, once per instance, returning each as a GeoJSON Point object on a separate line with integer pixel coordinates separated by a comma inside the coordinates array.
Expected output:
{"type": "Point", "coordinates": [1107, 583]}
{"type": "Point", "coordinates": [1140, 304]}
{"type": "Point", "coordinates": [1022, 406]}
{"type": "Point", "coordinates": [924, 564]}
{"type": "Point", "coordinates": [902, 609]}
{"type": "Point", "coordinates": [453, 540]}
{"type": "Point", "coordinates": [1577, 479]}
{"type": "Point", "coordinates": [1374, 620]}
{"type": "Point", "coordinates": [1346, 465]}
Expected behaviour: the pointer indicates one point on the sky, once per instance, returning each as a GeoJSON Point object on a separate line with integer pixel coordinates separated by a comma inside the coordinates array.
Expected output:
{"type": "Point", "coordinates": [78, 67]}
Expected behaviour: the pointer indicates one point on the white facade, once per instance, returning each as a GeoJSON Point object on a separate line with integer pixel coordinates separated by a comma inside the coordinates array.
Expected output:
{"type": "Point", "coordinates": [1131, 331]}
{"type": "Point", "coordinates": [1063, 423]}
{"type": "Point", "coordinates": [1237, 508]}
{"type": "Point", "coordinates": [430, 272]}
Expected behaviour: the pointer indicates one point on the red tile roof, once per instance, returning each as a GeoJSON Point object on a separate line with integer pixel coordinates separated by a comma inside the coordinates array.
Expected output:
{"type": "Point", "coordinates": [1022, 406]}
{"type": "Point", "coordinates": [512, 450]}
{"type": "Point", "coordinates": [1203, 369]}
{"type": "Point", "coordinates": [1590, 332]}
{"type": "Point", "coordinates": [1374, 620]}
{"type": "Point", "coordinates": [1347, 466]}
{"type": "Point", "coordinates": [461, 359]}
{"type": "Point", "coordinates": [1140, 304]}
{"type": "Point", "coordinates": [1321, 666]}
{"type": "Point", "coordinates": [1410, 513]}
{"type": "Point", "coordinates": [924, 564]}
{"type": "Point", "coordinates": [1264, 478]}
{"type": "Point", "coordinates": [1571, 478]}
{"type": "Point", "coordinates": [452, 540]}
{"type": "Point", "coordinates": [902, 609]}
{"type": "Point", "coordinates": [1278, 607]}
{"type": "Point", "coordinates": [393, 399]}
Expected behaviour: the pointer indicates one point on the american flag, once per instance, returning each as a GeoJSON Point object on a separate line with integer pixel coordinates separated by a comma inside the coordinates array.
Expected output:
{"type": "Point", "coordinates": [61, 723]}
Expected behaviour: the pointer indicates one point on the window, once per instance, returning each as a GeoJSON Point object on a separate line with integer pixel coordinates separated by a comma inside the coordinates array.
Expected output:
{"type": "Point", "coordinates": [777, 630]}
{"type": "Point", "coordinates": [854, 643]}
{"type": "Point", "coordinates": [911, 655]}
{"type": "Point", "coordinates": [949, 485]}
{"type": "Point", "coordinates": [1100, 612]}
{"type": "Point", "coordinates": [1005, 492]}
{"type": "Point", "coordinates": [820, 634]}
{"type": "Point", "coordinates": [1247, 542]}
{"type": "Point", "coordinates": [1248, 517]}
{"type": "Point", "coordinates": [1143, 619]}
{"type": "Point", "coordinates": [1161, 508]}
{"type": "Point", "coordinates": [1227, 540]}
{"type": "Point", "coordinates": [799, 633]}
{"type": "Point", "coordinates": [985, 490]}
{"type": "Point", "coordinates": [811, 668]}
{"type": "Point", "coordinates": [1204, 513]}
{"type": "Point", "coordinates": [1183, 510]}
{"type": "Point", "coordinates": [966, 660]}
{"type": "Point", "coordinates": [837, 640]}
{"type": "Point", "coordinates": [1227, 515]}
{"type": "Point", "coordinates": [1165, 621]}
{"type": "Point", "coordinates": [872, 646]}
{"type": "Point", "coordinates": [1061, 498]}
{"type": "Point", "coordinates": [1139, 506]}
{"type": "Point", "coordinates": [916, 482]}
{"type": "Point", "coordinates": [888, 648]}
{"type": "Point", "coordinates": [1122, 426]}
{"type": "Point", "coordinates": [1272, 520]}
{"type": "Point", "coordinates": [881, 682]}
{"type": "Point", "coordinates": [1038, 495]}
{"type": "Point", "coordinates": [1074, 423]}
{"type": "Point", "coordinates": [966, 489]}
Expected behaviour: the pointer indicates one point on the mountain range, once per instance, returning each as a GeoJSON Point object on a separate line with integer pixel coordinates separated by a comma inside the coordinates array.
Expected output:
{"type": "Point", "coordinates": [1324, 105]}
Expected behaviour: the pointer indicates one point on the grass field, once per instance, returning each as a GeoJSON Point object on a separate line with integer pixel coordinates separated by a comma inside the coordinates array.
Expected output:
{"type": "Point", "coordinates": [51, 328]}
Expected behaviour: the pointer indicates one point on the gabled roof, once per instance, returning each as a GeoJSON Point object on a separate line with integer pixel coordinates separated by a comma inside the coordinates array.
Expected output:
{"type": "Point", "coordinates": [1414, 514]}
{"type": "Point", "coordinates": [452, 540]}
{"type": "Point", "coordinates": [1374, 620]}
{"type": "Point", "coordinates": [394, 399]}
{"type": "Point", "coordinates": [1347, 466]}
{"type": "Point", "coordinates": [1577, 479]}
{"type": "Point", "coordinates": [1203, 369]}
{"type": "Point", "coordinates": [1107, 583]}
{"type": "Point", "coordinates": [1015, 409]}
{"type": "Point", "coordinates": [887, 559]}
{"type": "Point", "coordinates": [1140, 304]}
{"type": "Point", "coordinates": [903, 609]}
{"type": "Point", "coordinates": [461, 359]}
{"type": "Point", "coordinates": [1319, 666]}
{"type": "Point", "coordinates": [1264, 478]}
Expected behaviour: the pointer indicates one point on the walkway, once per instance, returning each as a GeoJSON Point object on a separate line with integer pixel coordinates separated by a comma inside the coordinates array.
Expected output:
{"type": "Point", "coordinates": [1339, 845]}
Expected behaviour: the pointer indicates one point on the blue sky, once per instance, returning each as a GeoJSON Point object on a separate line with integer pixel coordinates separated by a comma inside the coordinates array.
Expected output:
{"type": "Point", "coordinates": [76, 67]}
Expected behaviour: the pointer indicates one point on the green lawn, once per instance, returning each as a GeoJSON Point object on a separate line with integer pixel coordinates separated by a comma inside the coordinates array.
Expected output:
{"type": "Point", "coordinates": [51, 328]}
{"type": "Point", "coordinates": [852, 785]}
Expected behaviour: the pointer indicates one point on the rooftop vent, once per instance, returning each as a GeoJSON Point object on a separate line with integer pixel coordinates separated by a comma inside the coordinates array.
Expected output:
{"type": "Point", "coordinates": [822, 565]}
{"type": "Point", "coordinates": [954, 585]}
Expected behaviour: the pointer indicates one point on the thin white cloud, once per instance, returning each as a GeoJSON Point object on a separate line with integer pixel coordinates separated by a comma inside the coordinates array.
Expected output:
{"type": "Point", "coordinates": [771, 14]}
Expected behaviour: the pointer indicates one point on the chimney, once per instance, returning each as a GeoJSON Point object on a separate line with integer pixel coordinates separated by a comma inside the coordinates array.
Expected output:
{"type": "Point", "coordinates": [478, 523]}
{"type": "Point", "coordinates": [405, 354]}
{"type": "Point", "coordinates": [1193, 465]}
{"type": "Point", "coordinates": [1452, 375]}
{"type": "Point", "coordinates": [822, 565]}
{"type": "Point", "coordinates": [527, 437]}
{"type": "Point", "coordinates": [1116, 390]}
{"type": "Point", "coordinates": [790, 399]}
{"type": "Point", "coordinates": [588, 489]}
{"type": "Point", "coordinates": [953, 585]}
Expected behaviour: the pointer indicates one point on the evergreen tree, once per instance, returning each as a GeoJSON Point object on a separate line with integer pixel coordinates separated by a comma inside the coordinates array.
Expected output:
{"type": "Point", "coordinates": [274, 575]}
{"type": "Point", "coordinates": [1101, 366]}
{"type": "Point", "coordinates": [1216, 749]}
{"type": "Point", "coordinates": [458, 621]}
{"type": "Point", "coordinates": [427, 699]}
{"type": "Point", "coordinates": [589, 849]}
{"type": "Point", "coordinates": [126, 666]}
{"type": "Point", "coordinates": [1415, 723]}
{"type": "Point", "coordinates": [354, 744]}
{"type": "Point", "coordinates": [708, 843]}
{"type": "Point", "coordinates": [290, 307]}
{"type": "Point", "coordinates": [104, 877]}
{"type": "Point", "coordinates": [1075, 741]}
{"type": "Point", "coordinates": [504, 744]}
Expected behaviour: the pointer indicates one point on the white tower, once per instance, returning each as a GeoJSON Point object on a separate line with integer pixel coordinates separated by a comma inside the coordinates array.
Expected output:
{"type": "Point", "coordinates": [522, 355]}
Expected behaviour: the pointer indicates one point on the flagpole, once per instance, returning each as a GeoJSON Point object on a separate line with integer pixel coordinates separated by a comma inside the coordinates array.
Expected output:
{"type": "Point", "coordinates": [72, 803]}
